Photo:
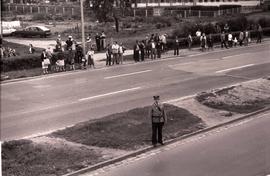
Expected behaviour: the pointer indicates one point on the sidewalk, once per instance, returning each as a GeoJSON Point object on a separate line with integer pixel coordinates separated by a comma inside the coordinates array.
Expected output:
{"type": "Point", "coordinates": [100, 58]}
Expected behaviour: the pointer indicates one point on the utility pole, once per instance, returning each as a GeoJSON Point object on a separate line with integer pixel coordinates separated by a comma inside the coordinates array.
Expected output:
{"type": "Point", "coordinates": [82, 21]}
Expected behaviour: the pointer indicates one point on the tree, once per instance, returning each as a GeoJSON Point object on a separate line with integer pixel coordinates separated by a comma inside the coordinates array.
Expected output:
{"type": "Point", "coordinates": [105, 9]}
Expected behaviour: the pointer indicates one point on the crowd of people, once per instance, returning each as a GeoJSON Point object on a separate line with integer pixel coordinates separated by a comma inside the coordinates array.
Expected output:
{"type": "Point", "coordinates": [66, 53]}
{"type": "Point", "coordinates": [227, 38]}
{"type": "Point", "coordinates": [151, 47]}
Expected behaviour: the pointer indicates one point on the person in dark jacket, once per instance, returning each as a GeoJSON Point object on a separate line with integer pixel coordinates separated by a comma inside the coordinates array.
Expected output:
{"type": "Point", "coordinates": [158, 118]}
{"type": "Point", "coordinates": [136, 51]}
{"type": "Point", "coordinates": [159, 49]}
{"type": "Point", "coordinates": [176, 46]}
{"type": "Point", "coordinates": [97, 37]}
{"type": "Point", "coordinates": [142, 50]}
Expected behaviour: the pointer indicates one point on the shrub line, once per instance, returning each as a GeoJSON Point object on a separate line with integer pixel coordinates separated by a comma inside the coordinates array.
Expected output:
{"type": "Point", "coordinates": [146, 149]}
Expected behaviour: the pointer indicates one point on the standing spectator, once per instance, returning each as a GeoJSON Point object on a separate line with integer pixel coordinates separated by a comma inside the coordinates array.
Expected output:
{"type": "Point", "coordinates": [230, 39]}
{"type": "Point", "coordinates": [218, 28]}
{"type": "Point", "coordinates": [49, 56]}
{"type": "Point", "coordinates": [58, 46]}
{"type": "Point", "coordinates": [78, 54]}
{"type": "Point", "coordinates": [259, 33]}
{"type": "Point", "coordinates": [45, 62]}
{"type": "Point", "coordinates": [158, 118]}
{"type": "Point", "coordinates": [136, 51]}
{"type": "Point", "coordinates": [241, 38]}
{"type": "Point", "coordinates": [88, 44]}
{"type": "Point", "coordinates": [60, 63]}
{"type": "Point", "coordinates": [198, 33]}
{"type": "Point", "coordinates": [153, 49]}
{"type": "Point", "coordinates": [176, 46]}
{"type": "Point", "coordinates": [103, 40]}
{"type": "Point", "coordinates": [226, 28]}
{"type": "Point", "coordinates": [69, 42]}
{"type": "Point", "coordinates": [90, 58]}
{"type": "Point", "coordinates": [71, 60]}
{"type": "Point", "coordinates": [147, 46]}
{"type": "Point", "coordinates": [97, 37]}
{"type": "Point", "coordinates": [156, 38]}
{"type": "Point", "coordinates": [31, 49]}
{"type": "Point", "coordinates": [235, 42]}
{"type": "Point", "coordinates": [142, 50]}
{"type": "Point", "coordinates": [163, 40]}
{"type": "Point", "coordinates": [59, 39]}
{"type": "Point", "coordinates": [121, 52]}
{"type": "Point", "coordinates": [203, 42]}
{"type": "Point", "coordinates": [159, 49]}
{"type": "Point", "coordinates": [108, 55]}
{"type": "Point", "coordinates": [210, 42]}
{"type": "Point", "coordinates": [246, 37]}
{"type": "Point", "coordinates": [115, 52]}
{"type": "Point", "coordinates": [189, 41]}
{"type": "Point", "coordinates": [1, 51]}
{"type": "Point", "coordinates": [223, 40]}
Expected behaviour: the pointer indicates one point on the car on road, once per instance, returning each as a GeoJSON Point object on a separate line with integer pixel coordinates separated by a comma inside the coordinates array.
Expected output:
{"type": "Point", "coordinates": [8, 31]}
{"type": "Point", "coordinates": [31, 31]}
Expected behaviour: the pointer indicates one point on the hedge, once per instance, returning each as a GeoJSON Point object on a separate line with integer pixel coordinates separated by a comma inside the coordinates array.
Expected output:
{"type": "Point", "coordinates": [25, 62]}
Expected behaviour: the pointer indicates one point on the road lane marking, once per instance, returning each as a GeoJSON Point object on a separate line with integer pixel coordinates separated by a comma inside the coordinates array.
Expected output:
{"type": "Point", "coordinates": [237, 55]}
{"type": "Point", "coordinates": [181, 98]}
{"type": "Point", "coordinates": [127, 74]}
{"type": "Point", "coordinates": [111, 93]}
{"type": "Point", "coordinates": [234, 68]}
{"type": "Point", "coordinates": [182, 64]}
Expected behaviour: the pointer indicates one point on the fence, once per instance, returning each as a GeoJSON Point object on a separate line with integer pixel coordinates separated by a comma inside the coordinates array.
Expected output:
{"type": "Point", "coordinates": [48, 9]}
{"type": "Point", "coordinates": [184, 13]}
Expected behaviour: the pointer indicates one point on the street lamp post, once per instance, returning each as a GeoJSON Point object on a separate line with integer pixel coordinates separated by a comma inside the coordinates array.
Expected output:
{"type": "Point", "coordinates": [82, 21]}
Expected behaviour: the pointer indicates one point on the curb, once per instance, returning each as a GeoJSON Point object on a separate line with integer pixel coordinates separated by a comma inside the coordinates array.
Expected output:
{"type": "Point", "coordinates": [146, 149]}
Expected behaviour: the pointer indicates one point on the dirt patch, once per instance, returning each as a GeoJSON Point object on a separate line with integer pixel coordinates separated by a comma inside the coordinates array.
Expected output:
{"type": "Point", "coordinates": [245, 98]}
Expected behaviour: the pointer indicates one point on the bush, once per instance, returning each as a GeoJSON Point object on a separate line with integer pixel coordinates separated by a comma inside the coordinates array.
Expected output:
{"type": "Point", "coordinates": [25, 62]}
{"type": "Point", "coordinates": [20, 62]}
{"type": "Point", "coordinates": [264, 21]}
{"type": "Point", "coordinates": [41, 17]}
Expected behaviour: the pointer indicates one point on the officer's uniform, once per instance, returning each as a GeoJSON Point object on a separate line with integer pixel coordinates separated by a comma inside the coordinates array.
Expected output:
{"type": "Point", "coordinates": [158, 118]}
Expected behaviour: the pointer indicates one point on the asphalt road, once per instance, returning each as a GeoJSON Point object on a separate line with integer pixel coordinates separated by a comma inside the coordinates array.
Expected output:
{"type": "Point", "coordinates": [239, 150]}
{"type": "Point", "coordinates": [47, 103]}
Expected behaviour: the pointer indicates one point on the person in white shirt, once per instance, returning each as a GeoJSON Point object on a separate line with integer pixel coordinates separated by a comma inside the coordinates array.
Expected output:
{"type": "Point", "coordinates": [235, 41]}
{"type": "Point", "coordinates": [90, 57]}
{"type": "Point", "coordinates": [115, 52]}
{"type": "Point", "coordinates": [230, 40]}
{"type": "Point", "coordinates": [198, 33]}
{"type": "Point", "coordinates": [121, 53]}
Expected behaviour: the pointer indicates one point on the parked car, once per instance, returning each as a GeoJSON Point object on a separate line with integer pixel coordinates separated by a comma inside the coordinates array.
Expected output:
{"type": "Point", "coordinates": [31, 31]}
{"type": "Point", "coordinates": [8, 31]}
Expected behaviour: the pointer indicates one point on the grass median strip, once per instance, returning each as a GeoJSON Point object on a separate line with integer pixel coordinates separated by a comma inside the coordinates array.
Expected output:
{"type": "Point", "coordinates": [91, 142]}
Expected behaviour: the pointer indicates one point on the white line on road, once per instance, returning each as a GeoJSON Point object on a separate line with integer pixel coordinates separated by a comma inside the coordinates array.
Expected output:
{"type": "Point", "coordinates": [181, 98]}
{"type": "Point", "coordinates": [127, 74]}
{"type": "Point", "coordinates": [237, 55]}
{"type": "Point", "coordinates": [111, 93]}
{"type": "Point", "coordinates": [234, 68]}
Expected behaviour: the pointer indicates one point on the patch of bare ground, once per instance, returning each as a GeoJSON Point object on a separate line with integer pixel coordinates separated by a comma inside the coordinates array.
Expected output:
{"type": "Point", "coordinates": [244, 98]}
{"type": "Point", "coordinates": [208, 115]}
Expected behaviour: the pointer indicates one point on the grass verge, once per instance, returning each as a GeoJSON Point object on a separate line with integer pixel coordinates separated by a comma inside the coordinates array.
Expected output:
{"type": "Point", "coordinates": [126, 131]}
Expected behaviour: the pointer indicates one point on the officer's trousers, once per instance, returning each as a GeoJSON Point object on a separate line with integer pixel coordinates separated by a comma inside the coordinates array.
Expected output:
{"type": "Point", "coordinates": [157, 132]}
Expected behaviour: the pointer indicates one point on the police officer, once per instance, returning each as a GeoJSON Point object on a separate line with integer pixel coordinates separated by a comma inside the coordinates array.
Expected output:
{"type": "Point", "coordinates": [158, 117]}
